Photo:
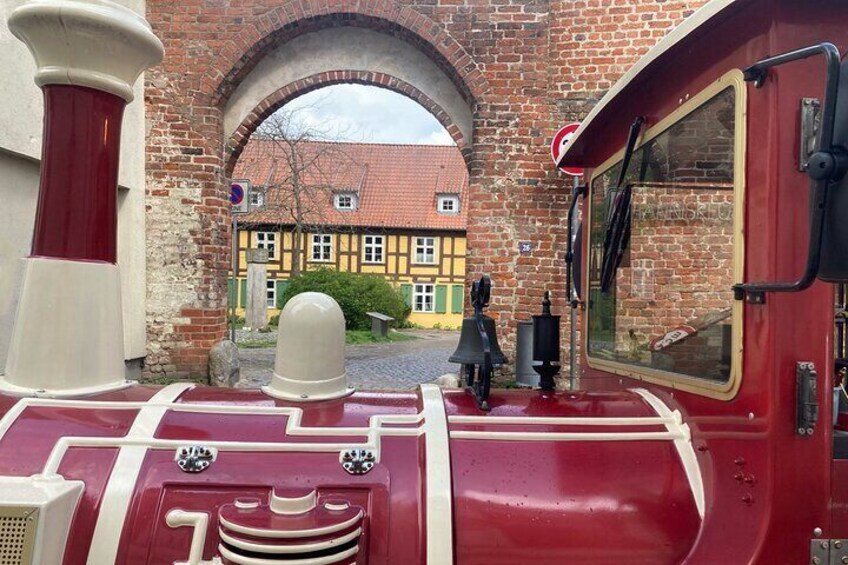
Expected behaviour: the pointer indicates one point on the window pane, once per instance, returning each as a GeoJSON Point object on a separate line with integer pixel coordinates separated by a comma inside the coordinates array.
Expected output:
{"type": "Point", "coordinates": [271, 294]}
{"type": "Point", "coordinates": [669, 306]}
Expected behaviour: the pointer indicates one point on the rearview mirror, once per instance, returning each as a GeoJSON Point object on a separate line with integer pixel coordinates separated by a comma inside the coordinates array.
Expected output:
{"type": "Point", "coordinates": [833, 256]}
{"type": "Point", "coordinates": [577, 264]}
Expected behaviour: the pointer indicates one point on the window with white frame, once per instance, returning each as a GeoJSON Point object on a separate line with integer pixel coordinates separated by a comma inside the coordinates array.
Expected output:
{"type": "Point", "coordinates": [448, 204]}
{"type": "Point", "coordinates": [425, 250]}
{"type": "Point", "coordinates": [271, 294]}
{"type": "Point", "coordinates": [267, 240]}
{"type": "Point", "coordinates": [345, 201]}
{"type": "Point", "coordinates": [424, 298]}
{"type": "Point", "coordinates": [322, 247]}
{"type": "Point", "coordinates": [372, 249]}
{"type": "Point", "coordinates": [257, 198]}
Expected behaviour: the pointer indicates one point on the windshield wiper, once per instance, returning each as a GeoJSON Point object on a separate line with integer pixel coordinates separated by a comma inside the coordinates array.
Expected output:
{"type": "Point", "coordinates": [618, 223]}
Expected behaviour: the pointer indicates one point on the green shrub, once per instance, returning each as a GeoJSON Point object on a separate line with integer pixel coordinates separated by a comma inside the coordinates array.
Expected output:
{"type": "Point", "coordinates": [356, 294]}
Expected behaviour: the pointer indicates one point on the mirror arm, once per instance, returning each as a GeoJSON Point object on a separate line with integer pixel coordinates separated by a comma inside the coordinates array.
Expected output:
{"type": "Point", "coordinates": [827, 164]}
{"type": "Point", "coordinates": [578, 192]}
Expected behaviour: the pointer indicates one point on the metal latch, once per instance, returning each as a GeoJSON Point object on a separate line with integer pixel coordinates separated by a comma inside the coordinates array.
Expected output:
{"type": "Point", "coordinates": [807, 406]}
{"type": "Point", "coordinates": [829, 552]}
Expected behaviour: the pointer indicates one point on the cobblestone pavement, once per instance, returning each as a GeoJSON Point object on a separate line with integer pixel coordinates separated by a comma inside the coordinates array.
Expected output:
{"type": "Point", "coordinates": [379, 366]}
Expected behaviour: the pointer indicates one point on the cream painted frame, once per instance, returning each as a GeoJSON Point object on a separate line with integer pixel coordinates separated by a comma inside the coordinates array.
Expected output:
{"type": "Point", "coordinates": [678, 381]}
{"type": "Point", "coordinates": [437, 244]}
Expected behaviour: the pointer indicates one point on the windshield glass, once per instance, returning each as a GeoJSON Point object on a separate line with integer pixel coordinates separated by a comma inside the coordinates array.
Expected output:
{"type": "Point", "coordinates": [668, 304]}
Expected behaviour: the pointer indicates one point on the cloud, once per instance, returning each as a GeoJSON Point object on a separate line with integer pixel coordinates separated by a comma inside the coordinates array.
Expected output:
{"type": "Point", "coordinates": [353, 112]}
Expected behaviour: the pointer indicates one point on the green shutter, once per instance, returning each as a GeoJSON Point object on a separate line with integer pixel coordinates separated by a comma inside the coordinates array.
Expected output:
{"type": "Point", "coordinates": [243, 293]}
{"type": "Point", "coordinates": [441, 298]}
{"type": "Point", "coordinates": [457, 296]}
{"type": "Point", "coordinates": [231, 293]}
{"type": "Point", "coordinates": [281, 288]}
{"type": "Point", "coordinates": [406, 292]}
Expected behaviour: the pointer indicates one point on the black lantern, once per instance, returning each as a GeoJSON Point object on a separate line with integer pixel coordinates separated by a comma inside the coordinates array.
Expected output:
{"type": "Point", "coordinates": [546, 344]}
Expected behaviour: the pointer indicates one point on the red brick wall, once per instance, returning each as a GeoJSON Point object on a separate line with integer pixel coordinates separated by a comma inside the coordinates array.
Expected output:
{"type": "Point", "coordinates": [527, 67]}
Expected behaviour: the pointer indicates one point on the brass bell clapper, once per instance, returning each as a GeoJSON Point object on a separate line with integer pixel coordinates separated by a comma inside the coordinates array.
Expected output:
{"type": "Point", "coordinates": [478, 350]}
{"type": "Point", "coordinates": [546, 345]}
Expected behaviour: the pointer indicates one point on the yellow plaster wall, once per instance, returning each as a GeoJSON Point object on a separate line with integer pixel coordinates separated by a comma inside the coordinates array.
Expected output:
{"type": "Point", "coordinates": [401, 267]}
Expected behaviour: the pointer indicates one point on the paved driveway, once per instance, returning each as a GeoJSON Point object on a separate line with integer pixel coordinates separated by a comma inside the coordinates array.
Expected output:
{"type": "Point", "coordinates": [380, 366]}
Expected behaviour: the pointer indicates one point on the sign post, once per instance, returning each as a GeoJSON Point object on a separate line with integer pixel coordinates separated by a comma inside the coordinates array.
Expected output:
{"type": "Point", "coordinates": [558, 144]}
{"type": "Point", "coordinates": [240, 201]}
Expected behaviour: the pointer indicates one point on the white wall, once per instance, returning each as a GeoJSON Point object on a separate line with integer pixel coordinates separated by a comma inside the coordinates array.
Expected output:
{"type": "Point", "coordinates": [20, 151]}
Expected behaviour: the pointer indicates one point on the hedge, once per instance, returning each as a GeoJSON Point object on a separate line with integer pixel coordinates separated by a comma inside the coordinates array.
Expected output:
{"type": "Point", "coordinates": [356, 294]}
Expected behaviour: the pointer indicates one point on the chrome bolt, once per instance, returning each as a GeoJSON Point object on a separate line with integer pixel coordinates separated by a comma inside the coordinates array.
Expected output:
{"type": "Point", "coordinates": [845, 560]}
{"type": "Point", "coordinates": [816, 561]}
{"type": "Point", "coordinates": [817, 532]}
{"type": "Point", "coordinates": [837, 544]}
{"type": "Point", "coordinates": [824, 545]}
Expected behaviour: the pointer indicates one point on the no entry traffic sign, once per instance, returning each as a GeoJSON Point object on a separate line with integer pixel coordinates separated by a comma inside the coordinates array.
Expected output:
{"type": "Point", "coordinates": [561, 139]}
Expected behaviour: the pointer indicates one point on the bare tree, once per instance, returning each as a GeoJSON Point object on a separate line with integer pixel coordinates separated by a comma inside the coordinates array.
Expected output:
{"type": "Point", "coordinates": [304, 165]}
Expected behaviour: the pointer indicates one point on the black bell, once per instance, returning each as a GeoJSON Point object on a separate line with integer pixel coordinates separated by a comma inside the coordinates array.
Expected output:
{"type": "Point", "coordinates": [470, 348]}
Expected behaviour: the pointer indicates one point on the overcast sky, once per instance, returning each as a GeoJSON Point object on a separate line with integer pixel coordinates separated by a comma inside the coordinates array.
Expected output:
{"type": "Point", "coordinates": [366, 113]}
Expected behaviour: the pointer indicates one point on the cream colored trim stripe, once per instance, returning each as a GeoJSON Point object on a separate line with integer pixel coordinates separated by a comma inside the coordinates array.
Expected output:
{"type": "Point", "coordinates": [554, 421]}
{"type": "Point", "coordinates": [439, 488]}
{"type": "Point", "coordinates": [568, 436]}
{"type": "Point", "coordinates": [122, 480]}
{"type": "Point", "coordinates": [683, 445]}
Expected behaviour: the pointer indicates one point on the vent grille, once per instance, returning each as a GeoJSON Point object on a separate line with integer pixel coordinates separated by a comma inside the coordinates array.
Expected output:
{"type": "Point", "coordinates": [17, 534]}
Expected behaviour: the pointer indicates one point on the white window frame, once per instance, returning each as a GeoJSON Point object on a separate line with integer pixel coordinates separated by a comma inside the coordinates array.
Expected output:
{"type": "Point", "coordinates": [421, 259]}
{"type": "Point", "coordinates": [271, 293]}
{"type": "Point", "coordinates": [351, 203]}
{"type": "Point", "coordinates": [424, 298]}
{"type": "Point", "coordinates": [323, 243]}
{"type": "Point", "coordinates": [373, 244]}
{"type": "Point", "coordinates": [257, 198]}
{"type": "Point", "coordinates": [445, 199]}
{"type": "Point", "coordinates": [267, 240]}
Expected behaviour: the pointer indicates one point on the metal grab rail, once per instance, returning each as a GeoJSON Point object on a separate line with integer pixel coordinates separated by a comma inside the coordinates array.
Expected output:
{"type": "Point", "coordinates": [828, 163]}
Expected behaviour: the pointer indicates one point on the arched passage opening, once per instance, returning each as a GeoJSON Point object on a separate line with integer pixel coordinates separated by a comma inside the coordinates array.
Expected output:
{"type": "Point", "coordinates": [404, 217]}
{"type": "Point", "coordinates": [459, 131]}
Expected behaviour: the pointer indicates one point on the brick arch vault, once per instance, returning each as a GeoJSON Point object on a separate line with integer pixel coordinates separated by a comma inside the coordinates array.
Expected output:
{"type": "Point", "coordinates": [503, 74]}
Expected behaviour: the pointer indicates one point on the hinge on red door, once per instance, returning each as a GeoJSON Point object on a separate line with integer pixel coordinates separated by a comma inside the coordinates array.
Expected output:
{"type": "Point", "coordinates": [806, 403]}
{"type": "Point", "coordinates": [828, 552]}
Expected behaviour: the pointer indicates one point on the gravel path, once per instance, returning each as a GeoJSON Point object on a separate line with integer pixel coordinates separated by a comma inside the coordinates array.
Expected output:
{"type": "Point", "coordinates": [379, 366]}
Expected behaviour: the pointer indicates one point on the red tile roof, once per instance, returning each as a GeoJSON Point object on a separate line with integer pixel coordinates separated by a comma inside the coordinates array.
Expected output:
{"type": "Point", "coordinates": [397, 185]}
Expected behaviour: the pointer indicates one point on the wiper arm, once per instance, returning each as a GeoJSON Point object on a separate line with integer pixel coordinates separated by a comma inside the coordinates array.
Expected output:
{"type": "Point", "coordinates": [618, 226]}
{"type": "Point", "coordinates": [618, 234]}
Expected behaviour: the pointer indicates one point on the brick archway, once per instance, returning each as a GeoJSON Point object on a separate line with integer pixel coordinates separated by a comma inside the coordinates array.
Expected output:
{"type": "Point", "coordinates": [286, 94]}
{"type": "Point", "coordinates": [243, 51]}
{"type": "Point", "coordinates": [189, 155]}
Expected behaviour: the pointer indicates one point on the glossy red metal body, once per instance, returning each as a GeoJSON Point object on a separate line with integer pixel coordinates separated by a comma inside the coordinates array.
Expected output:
{"type": "Point", "coordinates": [77, 214]}
{"type": "Point", "coordinates": [621, 471]}
{"type": "Point", "coordinates": [767, 488]}
{"type": "Point", "coordinates": [516, 502]}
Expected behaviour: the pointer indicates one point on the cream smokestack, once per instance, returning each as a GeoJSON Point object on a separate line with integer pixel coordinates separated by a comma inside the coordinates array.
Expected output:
{"type": "Point", "coordinates": [68, 337]}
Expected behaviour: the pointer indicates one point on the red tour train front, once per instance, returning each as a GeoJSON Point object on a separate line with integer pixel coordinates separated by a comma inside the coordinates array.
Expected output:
{"type": "Point", "coordinates": [706, 427]}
